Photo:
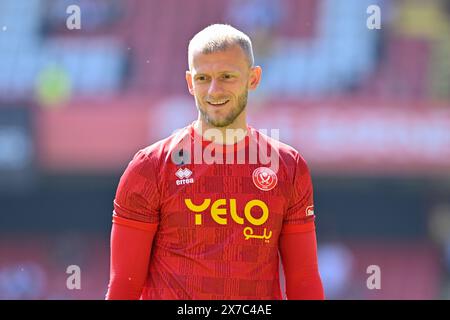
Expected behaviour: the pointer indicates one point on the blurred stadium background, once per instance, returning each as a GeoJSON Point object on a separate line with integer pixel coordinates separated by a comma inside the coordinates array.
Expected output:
{"type": "Point", "coordinates": [368, 109]}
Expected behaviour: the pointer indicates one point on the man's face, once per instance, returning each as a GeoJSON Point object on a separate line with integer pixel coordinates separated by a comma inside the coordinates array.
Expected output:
{"type": "Point", "coordinates": [220, 81]}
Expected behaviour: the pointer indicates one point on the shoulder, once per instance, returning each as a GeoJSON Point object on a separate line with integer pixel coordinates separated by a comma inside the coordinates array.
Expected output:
{"type": "Point", "coordinates": [287, 154]}
{"type": "Point", "coordinates": [161, 151]}
{"type": "Point", "coordinates": [147, 164]}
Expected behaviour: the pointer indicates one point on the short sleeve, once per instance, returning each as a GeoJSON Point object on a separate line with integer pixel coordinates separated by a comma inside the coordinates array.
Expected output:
{"type": "Point", "coordinates": [300, 213]}
{"type": "Point", "coordinates": [137, 196]}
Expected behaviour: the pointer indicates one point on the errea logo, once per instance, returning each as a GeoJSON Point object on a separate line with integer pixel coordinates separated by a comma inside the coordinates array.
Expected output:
{"type": "Point", "coordinates": [183, 175]}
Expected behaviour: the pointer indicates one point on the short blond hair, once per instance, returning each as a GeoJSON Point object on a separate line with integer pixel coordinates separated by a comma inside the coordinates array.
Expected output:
{"type": "Point", "coordinates": [220, 37]}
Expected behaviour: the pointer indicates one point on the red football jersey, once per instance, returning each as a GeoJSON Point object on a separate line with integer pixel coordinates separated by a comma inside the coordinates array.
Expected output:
{"type": "Point", "coordinates": [218, 223]}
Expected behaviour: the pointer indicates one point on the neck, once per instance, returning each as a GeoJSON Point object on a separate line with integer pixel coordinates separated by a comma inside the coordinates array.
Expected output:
{"type": "Point", "coordinates": [231, 134]}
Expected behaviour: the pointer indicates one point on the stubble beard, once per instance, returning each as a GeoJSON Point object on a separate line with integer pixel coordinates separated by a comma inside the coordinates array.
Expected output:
{"type": "Point", "coordinates": [230, 117]}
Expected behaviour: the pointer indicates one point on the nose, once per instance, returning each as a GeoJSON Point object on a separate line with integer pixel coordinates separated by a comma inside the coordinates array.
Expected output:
{"type": "Point", "coordinates": [214, 88]}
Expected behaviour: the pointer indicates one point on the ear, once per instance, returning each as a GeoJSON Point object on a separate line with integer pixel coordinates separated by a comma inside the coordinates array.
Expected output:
{"type": "Point", "coordinates": [189, 82]}
{"type": "Point", "coordinates": [255, 77]}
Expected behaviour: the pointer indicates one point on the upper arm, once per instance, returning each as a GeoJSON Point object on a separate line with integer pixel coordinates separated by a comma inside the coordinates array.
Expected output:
{"type": "Point", "coordinates": [297, 243]}
{"type": "Point", "coordinates": [135, 222]}
{"type": "Point", "coordinates": [138, 196]}
{"type": "Point", "coordinates": [300, 215]}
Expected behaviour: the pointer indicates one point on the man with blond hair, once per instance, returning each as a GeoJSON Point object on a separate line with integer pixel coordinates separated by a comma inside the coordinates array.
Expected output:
{"type": "Point", "coordinates": [205, 213]}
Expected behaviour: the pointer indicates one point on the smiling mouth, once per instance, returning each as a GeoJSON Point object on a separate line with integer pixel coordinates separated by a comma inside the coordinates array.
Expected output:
{"type": "Point", "coordinates": [218, 103]}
